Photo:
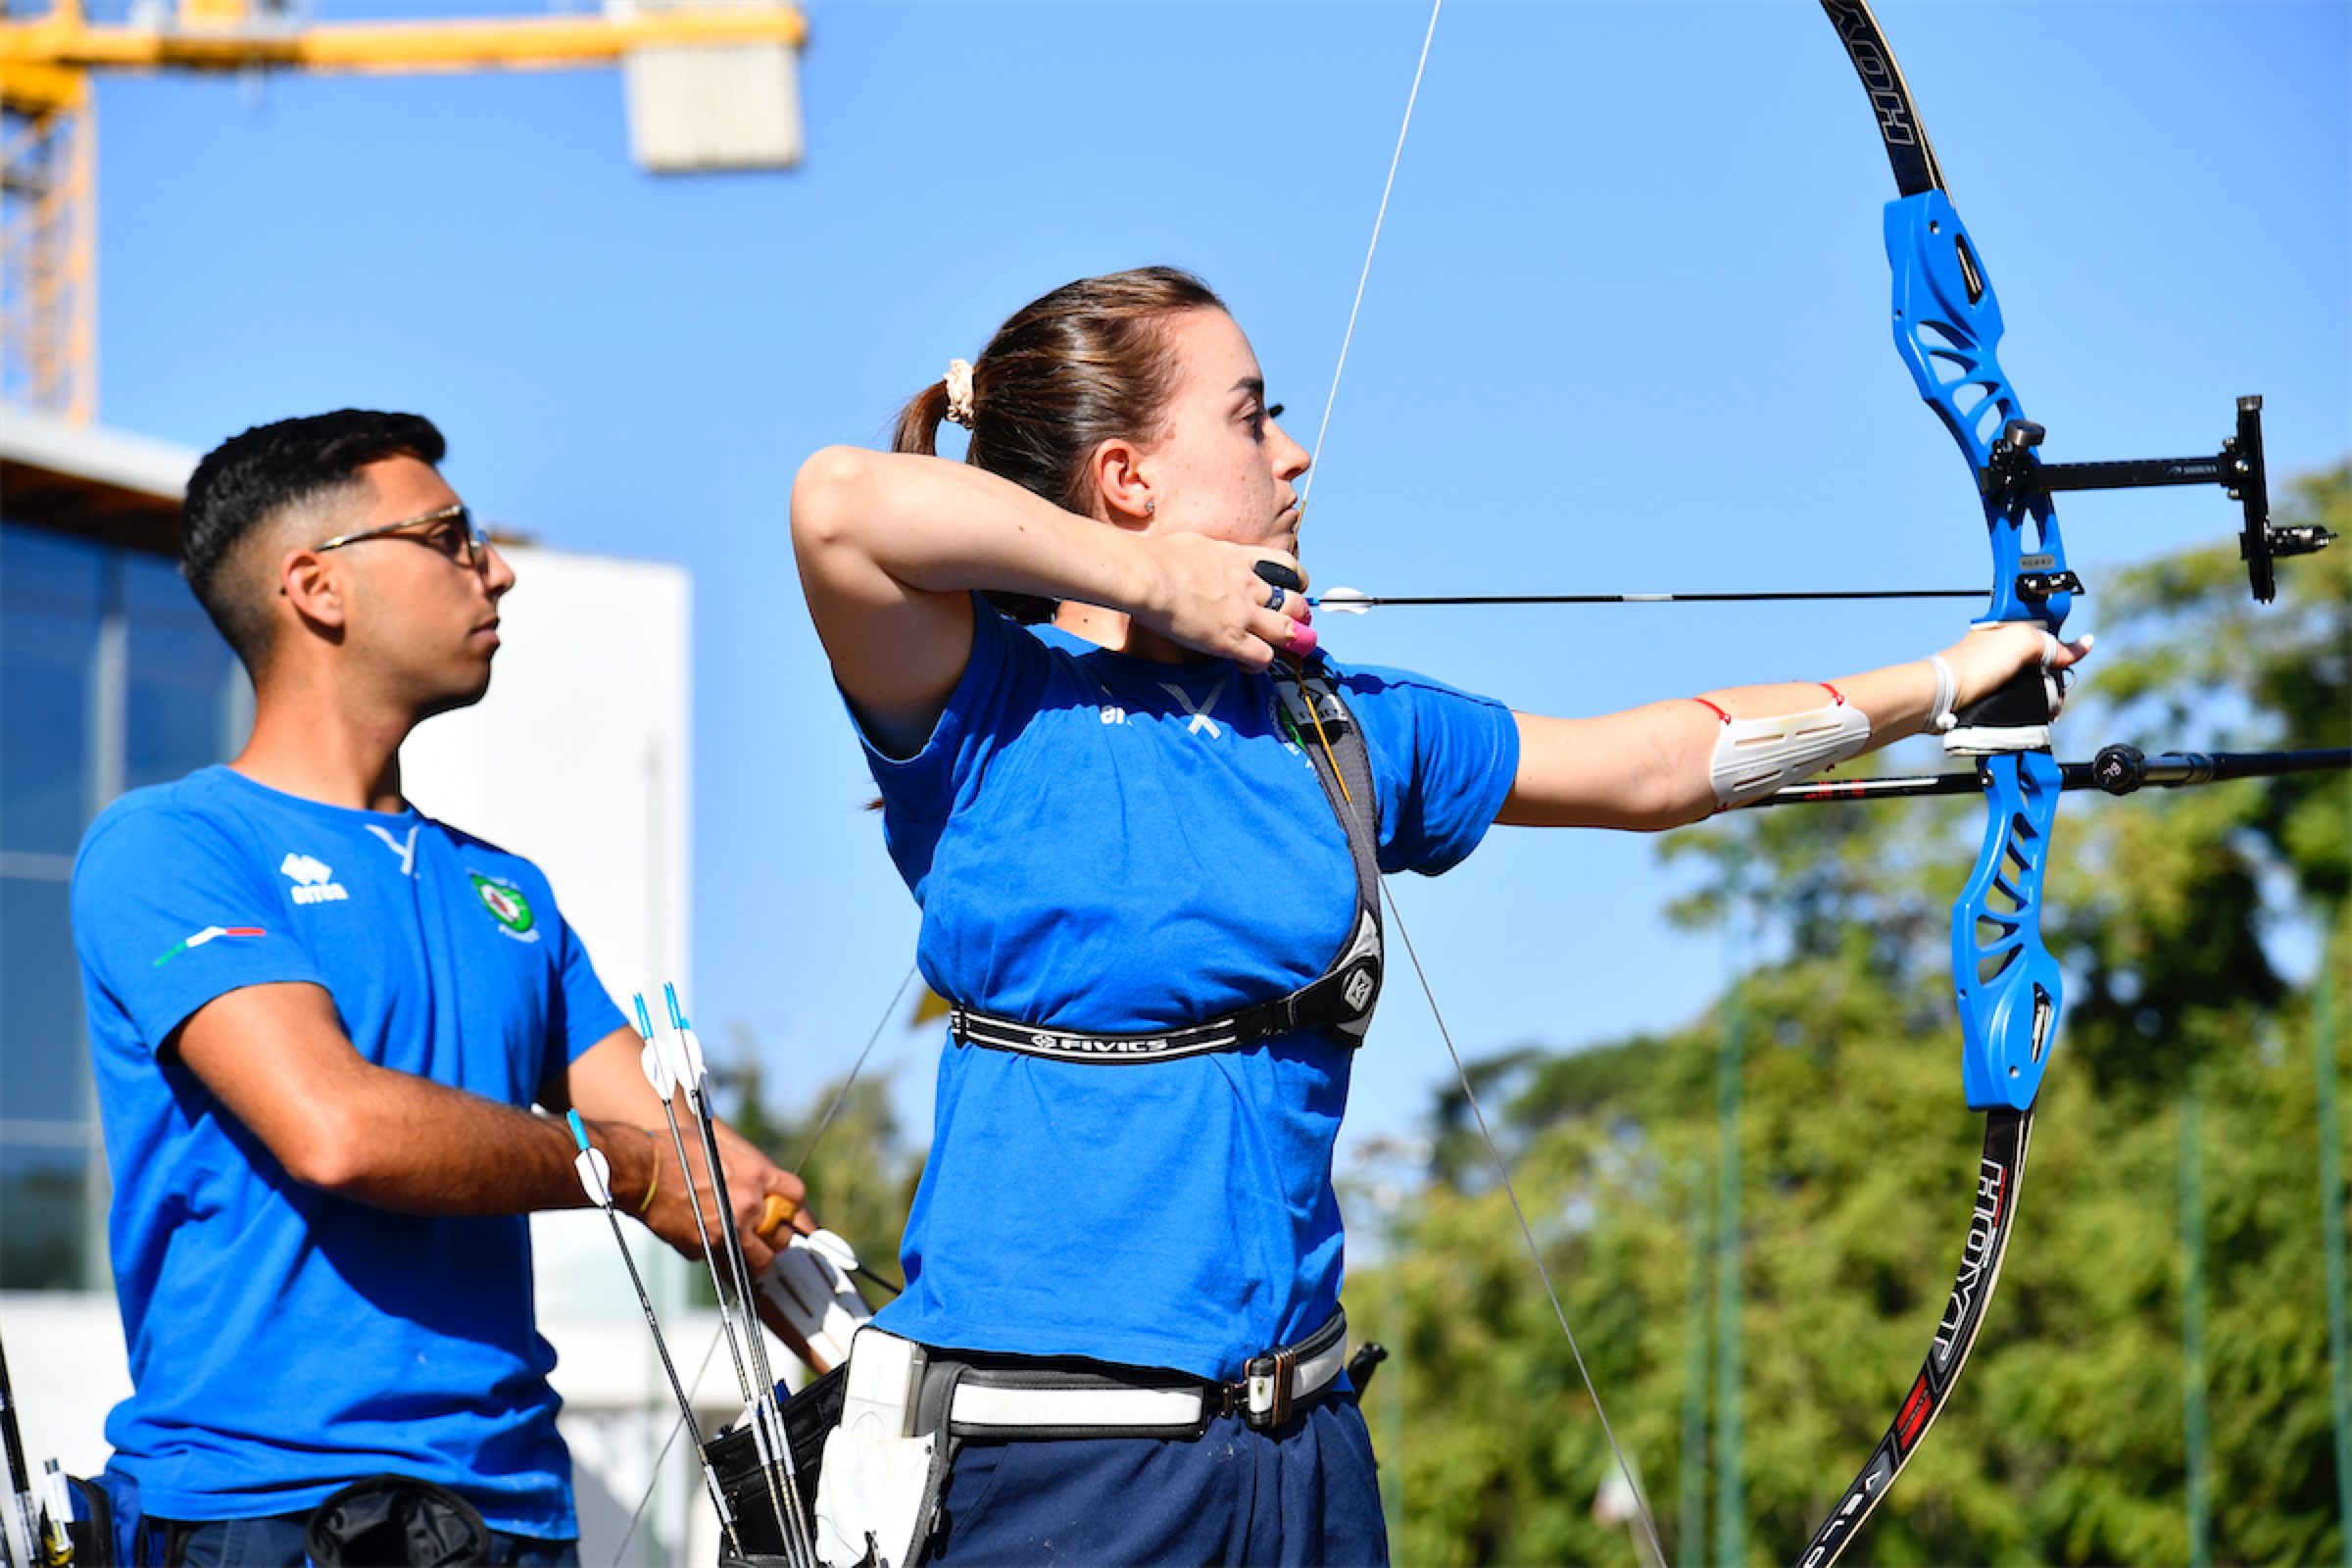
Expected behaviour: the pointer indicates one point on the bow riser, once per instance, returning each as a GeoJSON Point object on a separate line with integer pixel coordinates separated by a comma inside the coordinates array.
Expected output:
{"type": "Point", "coordinates": [2007, 986]}
{"type": "Point", "coordinates": [1947, 327]}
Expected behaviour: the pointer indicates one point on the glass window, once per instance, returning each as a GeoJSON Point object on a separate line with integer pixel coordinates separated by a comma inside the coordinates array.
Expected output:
{"type": "Point", "coordinates": [52, 595]}
{"type": "Point", "coordinates": [111, 678]}
{"type": "Point", "coordinates": [47, 1066]}
{"type": "Point", "coordinates": [45, 1187]}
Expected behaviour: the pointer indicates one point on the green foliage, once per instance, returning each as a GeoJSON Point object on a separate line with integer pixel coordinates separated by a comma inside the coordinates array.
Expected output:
{"type": "Point", "coordinates": [2067, 1442]}
{"type": "Point", "coordinates": [861, 1173]}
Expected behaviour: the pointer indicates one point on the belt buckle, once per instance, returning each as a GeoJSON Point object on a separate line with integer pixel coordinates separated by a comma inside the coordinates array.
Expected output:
{"type": "Point", "coordinates": [1268, 1381]}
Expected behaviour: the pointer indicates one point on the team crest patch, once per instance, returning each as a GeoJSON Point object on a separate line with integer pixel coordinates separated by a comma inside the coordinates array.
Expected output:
{"type": "Point", "coordinates": [506, 905]}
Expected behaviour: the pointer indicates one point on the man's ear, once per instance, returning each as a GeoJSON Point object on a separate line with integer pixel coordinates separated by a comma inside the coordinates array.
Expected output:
{"type": "Point", "coordinates": [1120, 484]}
{"type": "Point", "coordinates": [313, 585]}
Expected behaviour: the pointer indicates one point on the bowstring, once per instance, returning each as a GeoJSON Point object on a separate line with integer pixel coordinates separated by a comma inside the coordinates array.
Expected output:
{"type": "Point", "coordinates": [1478, 1112]}
{"type": "Point", "coordinates": [888, 1012]}
{"type": "Point", "coordinates": [710, 1354]}
{"type": "Point", "coordinates": [1364, 278]}
{"type": "Point", "coordinates": [1527, 1231]}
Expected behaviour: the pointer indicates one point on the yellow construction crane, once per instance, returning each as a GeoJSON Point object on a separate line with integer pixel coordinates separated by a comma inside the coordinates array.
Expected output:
{"type": "Point", "coordinates": [712, 84]}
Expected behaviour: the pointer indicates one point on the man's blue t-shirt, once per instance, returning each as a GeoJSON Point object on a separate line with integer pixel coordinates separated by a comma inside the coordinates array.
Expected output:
{"type": "Point", "coordinates": [1109, 844]}
{"type": "Point", "coordinates": [284, 1342]}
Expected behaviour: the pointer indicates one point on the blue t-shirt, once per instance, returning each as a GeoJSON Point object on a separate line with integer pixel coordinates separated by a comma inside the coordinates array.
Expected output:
{"type": "Point", "coordinates": [283, 1341]}
{"type": "Point", "coordinates": [1109, 844]}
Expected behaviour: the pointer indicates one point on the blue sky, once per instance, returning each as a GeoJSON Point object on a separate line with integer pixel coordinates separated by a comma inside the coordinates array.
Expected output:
{"type": "Point", "coordinates": [1626, 331]}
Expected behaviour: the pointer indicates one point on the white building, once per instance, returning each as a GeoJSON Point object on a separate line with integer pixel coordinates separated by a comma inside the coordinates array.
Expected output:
{"type": "Point", "coordinates": [581, 758]}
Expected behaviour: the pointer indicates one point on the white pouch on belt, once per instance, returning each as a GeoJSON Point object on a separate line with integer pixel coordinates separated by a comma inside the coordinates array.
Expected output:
{"type": "Point", "coordinates": [879, 1487]}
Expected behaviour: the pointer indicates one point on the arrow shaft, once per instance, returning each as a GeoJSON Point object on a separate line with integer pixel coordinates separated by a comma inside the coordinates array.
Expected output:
{"type": "Point", "coordinates": [1352, 602]}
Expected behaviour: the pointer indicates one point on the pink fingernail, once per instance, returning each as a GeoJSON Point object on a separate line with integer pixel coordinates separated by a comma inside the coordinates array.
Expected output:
{"type": "Point", "coordinates": [1306, 615]}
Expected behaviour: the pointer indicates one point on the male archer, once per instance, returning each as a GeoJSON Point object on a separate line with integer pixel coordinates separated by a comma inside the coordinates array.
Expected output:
{"type": "Point", "coordinates": [322, 1020]}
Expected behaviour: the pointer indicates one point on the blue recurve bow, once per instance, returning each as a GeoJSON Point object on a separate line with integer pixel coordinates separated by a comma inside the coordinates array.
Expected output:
{"type": "Point", "coordinates": [1947, 326]}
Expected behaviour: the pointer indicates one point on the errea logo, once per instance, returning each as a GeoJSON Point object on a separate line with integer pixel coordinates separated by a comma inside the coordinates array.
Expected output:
{"type": "Point", "coordinates": [313, 878]}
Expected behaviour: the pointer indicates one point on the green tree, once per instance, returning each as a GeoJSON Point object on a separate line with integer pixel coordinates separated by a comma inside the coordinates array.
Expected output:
{"type": "Point", "coordinates": [859, 1171]}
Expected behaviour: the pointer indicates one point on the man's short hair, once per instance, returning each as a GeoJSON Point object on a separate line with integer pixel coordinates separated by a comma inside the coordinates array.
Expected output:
{"type": "Point", "coordinates": [252, 479]}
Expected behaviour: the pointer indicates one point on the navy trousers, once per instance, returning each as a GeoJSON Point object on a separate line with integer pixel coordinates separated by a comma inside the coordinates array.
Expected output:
{"type": "Point", "coordinates": [1304, 1495]}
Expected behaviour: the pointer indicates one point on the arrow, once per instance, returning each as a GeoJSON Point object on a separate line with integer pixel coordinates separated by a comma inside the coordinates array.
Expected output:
{"type": "Point", "coordinates": [768, 1411]}
{"type": "Point", "coordinates": [662, 1062]}
{"type": "Point", "coordinates": [596, 1178]}
{"type": "Point", "coordinates": [1355, 602]}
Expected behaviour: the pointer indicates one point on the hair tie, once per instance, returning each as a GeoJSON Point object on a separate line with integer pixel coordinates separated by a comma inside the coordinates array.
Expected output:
{"type": "Point", "coordinates": [958, 383]}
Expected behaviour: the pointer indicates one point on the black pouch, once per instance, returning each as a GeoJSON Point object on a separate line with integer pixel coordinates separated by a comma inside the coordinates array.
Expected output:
{"type": "Point", "coordinates": [91, 1530]}
{"type": "Point", "coordinates": [809, 1417]}
{"type": "Point", "coordinates": [397, 1522]}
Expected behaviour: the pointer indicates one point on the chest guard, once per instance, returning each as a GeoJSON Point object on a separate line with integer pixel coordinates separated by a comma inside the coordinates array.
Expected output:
{"type": "Point", "coordinates": [1338, 1002]}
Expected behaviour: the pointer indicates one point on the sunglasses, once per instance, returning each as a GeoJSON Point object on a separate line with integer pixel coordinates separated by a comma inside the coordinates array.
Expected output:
{"type": "Point", "coordinates": [452, 531]}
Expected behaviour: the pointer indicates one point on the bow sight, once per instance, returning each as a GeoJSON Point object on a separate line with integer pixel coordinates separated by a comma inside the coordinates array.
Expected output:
{"type": "Point", "coordinates": [2014, 473]}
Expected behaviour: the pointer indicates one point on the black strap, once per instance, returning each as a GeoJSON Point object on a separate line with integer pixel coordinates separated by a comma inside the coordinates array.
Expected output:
{"type": "Point", "coordinates": [1318, 720]}
{"type": "Point", "coordinates": [1308, 709]}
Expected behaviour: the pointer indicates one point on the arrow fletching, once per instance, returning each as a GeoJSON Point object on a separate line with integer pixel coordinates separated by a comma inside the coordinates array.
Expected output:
{"type": "Point", "coordinates": [690, 1068]}
{"type": "Point", "coordinates": [1345, 601]}
{"type": "Point", "coordinates": [595, 1171]}
{"type": "Point", "coordinates": [653, 1060]}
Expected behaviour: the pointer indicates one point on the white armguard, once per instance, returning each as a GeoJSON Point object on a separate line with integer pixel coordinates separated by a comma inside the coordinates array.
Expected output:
{"type": "Point", "coordinates": [1753, 757]}
{"type": "Point", "coordinates": [809, 1284]}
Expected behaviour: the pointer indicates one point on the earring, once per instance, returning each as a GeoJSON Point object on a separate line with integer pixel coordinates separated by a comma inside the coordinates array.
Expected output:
{"type": "Point", "coordinates": [1150, 507]}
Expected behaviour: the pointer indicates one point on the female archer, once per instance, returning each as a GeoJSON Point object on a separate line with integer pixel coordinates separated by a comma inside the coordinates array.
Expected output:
{"type": "Point", "coordinates": [1145, 838]}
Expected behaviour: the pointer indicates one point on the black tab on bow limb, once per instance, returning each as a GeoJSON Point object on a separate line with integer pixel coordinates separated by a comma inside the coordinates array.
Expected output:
{"type": "Point", "coordinates": [2237, 467]}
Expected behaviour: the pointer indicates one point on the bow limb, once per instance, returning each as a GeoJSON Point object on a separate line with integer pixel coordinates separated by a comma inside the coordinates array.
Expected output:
{"type": "Point", "coordinates": [2000, 1176]}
